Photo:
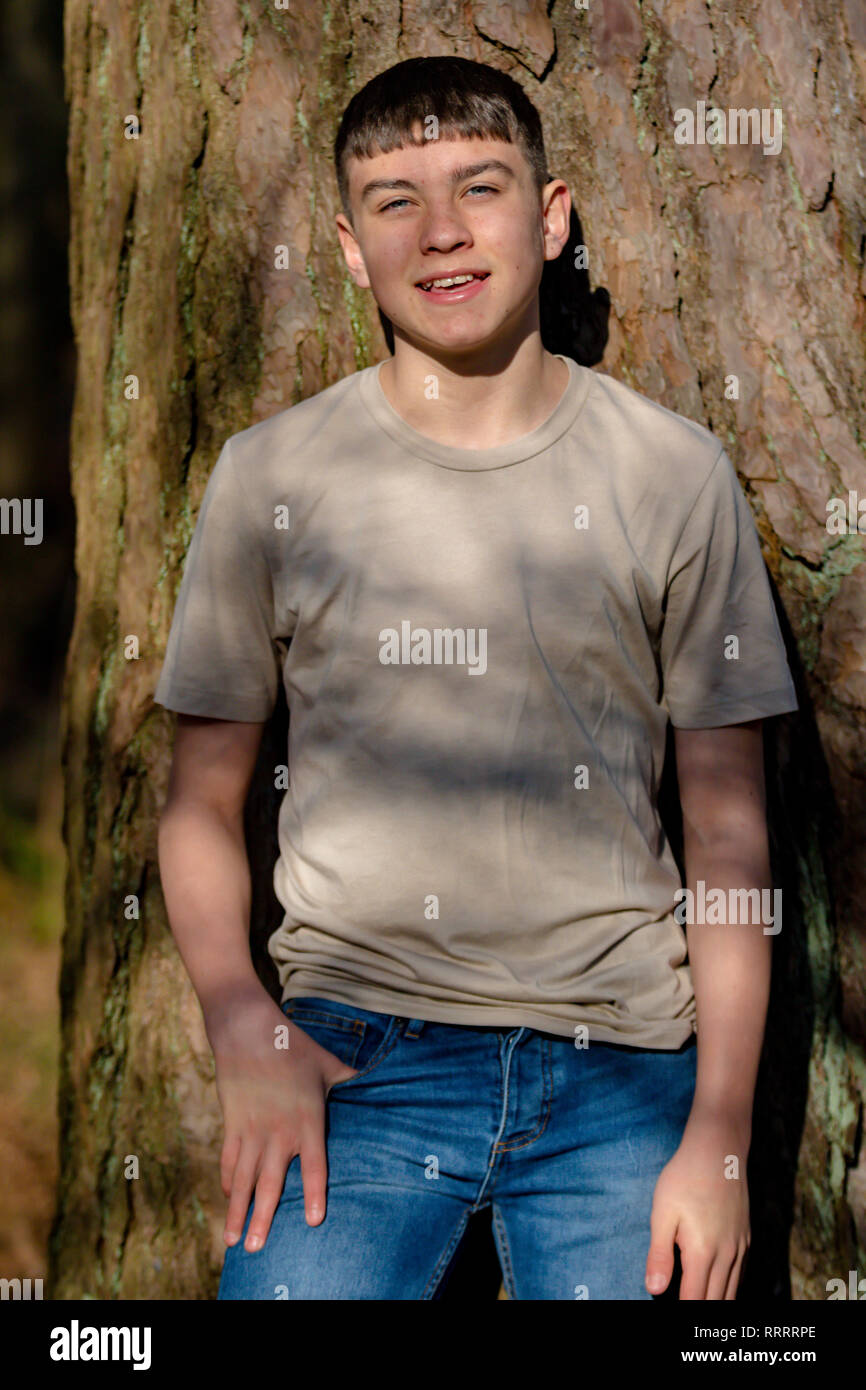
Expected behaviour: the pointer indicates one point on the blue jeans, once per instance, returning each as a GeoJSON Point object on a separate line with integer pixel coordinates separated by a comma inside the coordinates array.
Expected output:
{"type": "Point", "coordinates": [564, 1145]}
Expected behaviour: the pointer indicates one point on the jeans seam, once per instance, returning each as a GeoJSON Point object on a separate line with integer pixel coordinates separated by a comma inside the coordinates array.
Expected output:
{"type": "Point", "coordinates": [442, 1263]}
{"type": "Point", "coordinates": [509, 1146]}
{"type": "Point", "coordinates": [504, 1253]}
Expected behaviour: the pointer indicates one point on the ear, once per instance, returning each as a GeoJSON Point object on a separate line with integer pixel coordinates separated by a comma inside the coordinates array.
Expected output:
{"type": "Point", "coordinates": [556, 215]}
{"type": "Point", "coordinates": [352, 251]}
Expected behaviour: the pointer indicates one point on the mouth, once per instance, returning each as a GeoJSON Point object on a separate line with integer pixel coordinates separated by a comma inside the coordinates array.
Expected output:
{"type": "Point", "coordinates": [459, 285]}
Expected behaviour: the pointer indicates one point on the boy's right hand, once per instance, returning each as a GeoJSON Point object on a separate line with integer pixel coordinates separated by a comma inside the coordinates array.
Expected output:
{"type": "Point", "coordinates": [273, 1104]}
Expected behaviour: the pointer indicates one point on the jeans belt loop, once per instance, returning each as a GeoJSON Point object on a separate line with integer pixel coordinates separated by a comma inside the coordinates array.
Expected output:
{"type": "Point", "coordinates": [414, 1027]}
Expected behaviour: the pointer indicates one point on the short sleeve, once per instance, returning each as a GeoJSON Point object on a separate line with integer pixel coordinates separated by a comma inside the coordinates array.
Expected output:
{"type": "Point", "coordinates": [718, 590]}
{"type": "Point", "coordinates": [221, 659]}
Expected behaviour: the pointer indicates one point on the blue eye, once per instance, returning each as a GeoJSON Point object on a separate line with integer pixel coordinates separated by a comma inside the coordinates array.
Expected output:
{"type": "Point", "coordinates": [485, 188]}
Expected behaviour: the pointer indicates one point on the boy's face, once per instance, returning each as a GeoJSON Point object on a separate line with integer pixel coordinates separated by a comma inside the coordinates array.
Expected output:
{"type": "Point", "coordinates": [448, 215]}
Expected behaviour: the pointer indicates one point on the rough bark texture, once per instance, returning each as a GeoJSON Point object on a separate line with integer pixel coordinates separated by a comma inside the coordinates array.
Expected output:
{"type": "Point", "coordinates": [719, 260]}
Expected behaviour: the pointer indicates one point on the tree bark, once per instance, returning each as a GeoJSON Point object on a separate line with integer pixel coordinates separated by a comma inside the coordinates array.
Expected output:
{"type": "Point", "coordinates": [721, 262]}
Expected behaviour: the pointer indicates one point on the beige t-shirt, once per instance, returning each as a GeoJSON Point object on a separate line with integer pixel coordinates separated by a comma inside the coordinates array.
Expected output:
{"type": "Point", "coordinates": [480, 651]}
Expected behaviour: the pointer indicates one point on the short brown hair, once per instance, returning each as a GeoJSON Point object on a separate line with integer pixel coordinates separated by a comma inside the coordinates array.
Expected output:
{"type": "Point", "coordinates": [466, 98]}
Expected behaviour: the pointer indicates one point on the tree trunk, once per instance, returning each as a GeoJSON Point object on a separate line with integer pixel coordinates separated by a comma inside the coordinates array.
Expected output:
{"type": "Point", "coordinates": [722, 262]}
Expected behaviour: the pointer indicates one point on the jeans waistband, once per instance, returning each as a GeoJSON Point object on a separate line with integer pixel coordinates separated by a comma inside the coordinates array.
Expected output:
{"type": "Point", "coordinates": [414, 1027]}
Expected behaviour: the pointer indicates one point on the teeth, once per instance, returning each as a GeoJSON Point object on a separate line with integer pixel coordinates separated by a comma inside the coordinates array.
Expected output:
{"type": "Point", "coordinates": [447, 283]}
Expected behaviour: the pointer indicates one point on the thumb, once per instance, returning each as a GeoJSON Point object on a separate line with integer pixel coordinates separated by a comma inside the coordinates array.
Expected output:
{"type": "Point", "coordinates": [344, 1073]}
{"type": "Point", "coordinates": [660, 1259]}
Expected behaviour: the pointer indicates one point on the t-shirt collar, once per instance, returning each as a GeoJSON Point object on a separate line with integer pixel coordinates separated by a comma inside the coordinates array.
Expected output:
{"type": "Point", "coordinates": [448, 456]}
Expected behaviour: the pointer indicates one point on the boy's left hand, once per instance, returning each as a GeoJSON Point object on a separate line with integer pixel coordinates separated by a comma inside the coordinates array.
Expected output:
{"type": "Point", "coordinates": [706, 1213]}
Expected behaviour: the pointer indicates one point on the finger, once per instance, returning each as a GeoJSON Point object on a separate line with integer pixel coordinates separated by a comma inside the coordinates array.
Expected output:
{"type": "Point", "coordinates": [228, 1161]}
{"type": "Point", "coordinates": [734, 1277]}
{"type": "Point", "coordinates": [243, 1179]}
{"type": "Point", "coordinates": [269, 1188]}
{"type": "Point", "coordinates": [314, 1176]}
{"type": "Point", "coordinates": [660, 1258]}
{"type": "Point", "coordinates": [696, 1260]}
{"type": "Point", "coordinates": [720, 1273]}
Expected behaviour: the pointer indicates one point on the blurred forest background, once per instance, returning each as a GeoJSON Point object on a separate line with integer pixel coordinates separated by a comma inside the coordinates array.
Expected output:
{"type": "Point", "coordinates": [37, 582]}
{"type": "Point", "coordinates": [716, 262]}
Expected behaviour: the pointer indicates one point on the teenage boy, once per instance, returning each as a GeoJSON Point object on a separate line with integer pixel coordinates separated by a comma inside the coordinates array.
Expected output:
{"type": "Point", "coordinates": [490, 575]}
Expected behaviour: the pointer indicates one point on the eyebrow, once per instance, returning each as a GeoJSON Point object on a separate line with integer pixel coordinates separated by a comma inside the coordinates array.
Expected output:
{"type": "Point", "coordinates": [463, 171]}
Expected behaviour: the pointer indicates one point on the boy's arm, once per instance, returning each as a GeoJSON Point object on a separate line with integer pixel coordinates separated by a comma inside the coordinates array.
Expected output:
{"type": "Point", "coordinates": [721, 779]}
{"type": "Point", "coordinates": [701, 1198]}
{"type": "Point", "coordinates": [203, 861]}
{"type": "Point", "coordinates": [272, 1098]}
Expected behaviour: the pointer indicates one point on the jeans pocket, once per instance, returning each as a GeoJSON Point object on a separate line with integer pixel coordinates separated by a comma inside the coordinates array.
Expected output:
{"type": "Point", "coordinates": [359, 1037]}
{"type": "Point", "coordinates": [338, 1033]}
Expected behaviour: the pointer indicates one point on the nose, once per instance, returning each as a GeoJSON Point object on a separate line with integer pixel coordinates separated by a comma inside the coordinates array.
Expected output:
{"type": "Point", "coordinates": [444, 231]}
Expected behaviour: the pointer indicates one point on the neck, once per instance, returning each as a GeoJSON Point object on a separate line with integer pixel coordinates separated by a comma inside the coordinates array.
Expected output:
{"type": "Point", "coordinates": [474, 402]}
